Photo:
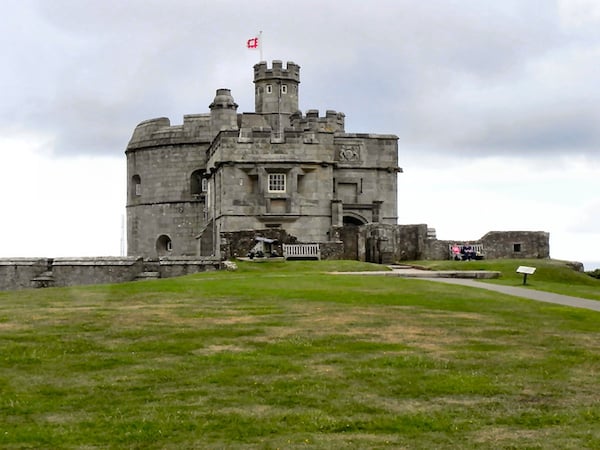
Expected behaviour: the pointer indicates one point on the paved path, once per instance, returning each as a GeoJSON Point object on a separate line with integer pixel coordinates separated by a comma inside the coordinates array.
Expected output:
{"type": "Point", "coordinates": [411, 272]}
{"type": "Point", "coordinates": [468, 277]}
{"type": "Point", "coordinates": [540, 296]}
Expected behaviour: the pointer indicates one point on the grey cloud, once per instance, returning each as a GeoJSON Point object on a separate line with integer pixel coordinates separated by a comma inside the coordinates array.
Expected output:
{"type": "Point", "coordinates": [544, 133]}
{"type": "Point", "coordinates": [438, 74]}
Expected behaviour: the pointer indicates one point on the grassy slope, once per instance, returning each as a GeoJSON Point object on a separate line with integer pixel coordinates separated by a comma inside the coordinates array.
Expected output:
{"type": "Point", "coordinates": [281, 355]}
{"type": "Point", "coordinates": [551, 275]}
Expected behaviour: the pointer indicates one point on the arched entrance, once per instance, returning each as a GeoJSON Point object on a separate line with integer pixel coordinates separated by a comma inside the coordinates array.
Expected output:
{"type": "Point", "coordinates": [349, 236]}
{"type": "Point", "coordinates": [164, 246]}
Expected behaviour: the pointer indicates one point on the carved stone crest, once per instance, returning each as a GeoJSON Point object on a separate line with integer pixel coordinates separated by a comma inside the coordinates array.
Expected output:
{"type": "Point", "coordinates": [350, 153]}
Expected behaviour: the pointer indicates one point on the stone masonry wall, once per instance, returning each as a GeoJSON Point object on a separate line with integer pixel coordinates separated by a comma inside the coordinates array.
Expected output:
{"type": "Point", "coordinates": [332, 250]}
{"type": "Point", "coordinates": [386, 244]}
{"type": "Point", "coordinates": [516, 244]}
{"type": "Point", "coordinates": [180, 221]}
{"type": "Point", "coordinates": [437, 250]}
{"type": "Point", "coordinates": [411, 242]}
{"type": "Point", "coordinates": [162, 202]}
{"type": "Point", "coordinates": [497, 245]}
{"type": "Point", "coordinates": [17, 273]}
{"type": "Point", "coordinates": [24, 273]}
{"type": "Point", "coordinates": [179, 266]}
{"type": "Point", "coordinates": [80, 271]}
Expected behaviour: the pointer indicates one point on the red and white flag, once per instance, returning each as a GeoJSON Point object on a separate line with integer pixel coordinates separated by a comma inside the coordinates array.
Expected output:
{"type": "Point", "coordinates": [253, 43]}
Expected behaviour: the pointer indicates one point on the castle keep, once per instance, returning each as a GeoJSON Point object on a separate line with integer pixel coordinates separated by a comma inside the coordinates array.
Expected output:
{"type": "Point", "coordinates": [209, 186]}
{"type": "Point", "coordinates": [224, 182]}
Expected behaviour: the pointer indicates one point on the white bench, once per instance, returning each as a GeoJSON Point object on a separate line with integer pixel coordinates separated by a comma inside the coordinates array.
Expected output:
{"type": "Point", "coordinates": [301, 251]}
{"type": "Point", "coordinates": [477, 250]}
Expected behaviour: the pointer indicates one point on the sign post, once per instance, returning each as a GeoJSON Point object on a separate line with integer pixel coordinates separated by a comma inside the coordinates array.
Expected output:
{"type": "Point", "coordinates": [525, 270]}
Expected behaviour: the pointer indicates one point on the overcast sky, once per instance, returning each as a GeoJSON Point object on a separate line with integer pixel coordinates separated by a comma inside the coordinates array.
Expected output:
{"type": "Point", "coordinates": [496, 105]}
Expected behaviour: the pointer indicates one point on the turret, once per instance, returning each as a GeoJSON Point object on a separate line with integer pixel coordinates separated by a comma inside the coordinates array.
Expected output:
{"type": "Point", "coordinates": [276, 89]}
{"type": "Point", "coordinates": [223, 112]}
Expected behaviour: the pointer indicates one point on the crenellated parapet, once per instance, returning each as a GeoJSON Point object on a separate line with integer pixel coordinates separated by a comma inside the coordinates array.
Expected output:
{"type": "Point", "coordinates": [332, 121]}
{"type": "Point", "coordinates": [290, 72]}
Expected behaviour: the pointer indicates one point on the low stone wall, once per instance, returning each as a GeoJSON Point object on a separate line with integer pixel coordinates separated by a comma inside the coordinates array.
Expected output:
{"type": "Point", "coordinates": [177, 267]}
{"type": "Point", "coordinates": [411, 242]}
{"type": "Point", "coordinates": [516, 244]}
{"type": "Point", "coordinates": [499, 245]}
{"type": "Point", "coordinates": [386, 244]}
{"type": "Point", "coordinates": [79, 271]}
{"type": "Point", "coordinates": [24, 273]}
{"type": "Point", "coordinates": [17, 273]}
{"type": "Point", "coordinates": [437, 250]}
{"type": "Point", "coordinates": [332, 250]}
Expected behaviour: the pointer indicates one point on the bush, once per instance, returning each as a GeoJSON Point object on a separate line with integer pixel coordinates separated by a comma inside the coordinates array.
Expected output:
{"type": "Point", "coordinates": [594, 273]}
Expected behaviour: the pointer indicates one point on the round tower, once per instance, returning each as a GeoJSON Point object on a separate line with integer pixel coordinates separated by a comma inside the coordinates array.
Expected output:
{"type": "Point", "coordinates": [276, 89]}
{"type": "Point", "coordinates": [165, 202]}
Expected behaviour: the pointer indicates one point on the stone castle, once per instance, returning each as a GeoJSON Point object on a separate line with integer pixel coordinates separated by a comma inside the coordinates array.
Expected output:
{"type": "Point", "coordinates": [223, 179]}
{"type": "Point", "coordinates": [224, 182]}
{"type": "Point", "coordinates": [208, 186]}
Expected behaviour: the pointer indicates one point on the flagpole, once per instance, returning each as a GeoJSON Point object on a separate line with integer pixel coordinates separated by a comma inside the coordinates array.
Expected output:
{"type": "Point", "coordinates": [260, 45]}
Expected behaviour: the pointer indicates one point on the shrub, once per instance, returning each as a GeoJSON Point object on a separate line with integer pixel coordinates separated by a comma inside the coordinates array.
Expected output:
{"type": "Point", "coordinates": [594, 273]}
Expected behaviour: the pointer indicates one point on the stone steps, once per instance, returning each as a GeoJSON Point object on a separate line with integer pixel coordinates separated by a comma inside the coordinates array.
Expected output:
{"type": "Point", "coordinates": [45, 279]}
{"type": "Point", "coordinates": [148, 276]}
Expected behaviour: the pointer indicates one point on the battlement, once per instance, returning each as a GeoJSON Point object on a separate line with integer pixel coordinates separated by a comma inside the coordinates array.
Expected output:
{"type": "Point", "coordinates": [332, 121]}
{"type": "Point", "coordinates": [290, 72]}
{"type": "Point", "coordinates": [159, 131]}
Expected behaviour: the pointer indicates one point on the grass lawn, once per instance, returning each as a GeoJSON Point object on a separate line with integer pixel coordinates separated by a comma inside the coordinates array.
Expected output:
{"type": "Point", "coordinates": [284, 355]}
{"type": "Point", "coordinates": [551, 275]}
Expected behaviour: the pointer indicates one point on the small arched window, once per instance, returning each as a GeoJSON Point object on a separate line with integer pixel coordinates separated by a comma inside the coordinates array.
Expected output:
{"type": "Point", "coordinates": [136, 186]}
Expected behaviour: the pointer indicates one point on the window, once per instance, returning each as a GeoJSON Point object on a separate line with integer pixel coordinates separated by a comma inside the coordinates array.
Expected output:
{"type": "Point", "coordinates": [208, 201]}
{"type": "Point", "coordinates": [276, 182]}
{"type": "Point", "coordinates": [137, 185]}
{"type": "Point", "coordinates": [516, 248]}
{"type": "Point", "coordinates": [284, 88]}
{"type": "Point", "coordinates": [198, 183]}
{"type": "Point", "coordinates": [269, 89]}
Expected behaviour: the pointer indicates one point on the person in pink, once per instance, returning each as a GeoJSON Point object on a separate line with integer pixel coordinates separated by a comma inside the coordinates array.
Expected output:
{"type": "Point", "coordinates": [455, 252]}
